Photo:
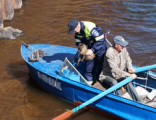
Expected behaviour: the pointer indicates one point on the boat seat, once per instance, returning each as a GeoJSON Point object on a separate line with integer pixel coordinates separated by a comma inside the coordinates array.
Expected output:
{"type": "Point", "coordinates": [100, 86]}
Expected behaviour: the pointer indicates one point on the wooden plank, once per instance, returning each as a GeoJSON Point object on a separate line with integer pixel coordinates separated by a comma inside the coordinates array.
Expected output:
{"type": "Point", "coordinates": [99, 86]}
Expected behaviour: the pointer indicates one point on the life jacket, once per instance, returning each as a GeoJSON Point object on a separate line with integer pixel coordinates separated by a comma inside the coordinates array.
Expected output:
{"type": "Point", "coordinates": [86, 38]}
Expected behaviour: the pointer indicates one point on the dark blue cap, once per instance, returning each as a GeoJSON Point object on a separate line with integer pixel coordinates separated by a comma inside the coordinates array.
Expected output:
{"type": "Point", "coordinates": [120, 41]}
{"type": "Point", "coordinates": [72, 25]}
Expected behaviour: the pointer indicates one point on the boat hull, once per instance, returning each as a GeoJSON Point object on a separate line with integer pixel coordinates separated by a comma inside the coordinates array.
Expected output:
{"type": "Point", "coordinates": [77, 93]}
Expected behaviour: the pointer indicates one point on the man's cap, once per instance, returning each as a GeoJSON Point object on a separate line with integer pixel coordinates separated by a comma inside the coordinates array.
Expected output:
{"type": "Point", "coordinates": [72, 25]}
{"type": "Point", "coordinates": [120, 41]}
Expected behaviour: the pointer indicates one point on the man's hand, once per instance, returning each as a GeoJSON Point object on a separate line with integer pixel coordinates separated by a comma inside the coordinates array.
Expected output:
{"type": "Point", "coordinates": [89, 52]}
{"type": "Point", "coordinates": [133, 76]}
{"type": "Point", "coordinates": [131, 71]}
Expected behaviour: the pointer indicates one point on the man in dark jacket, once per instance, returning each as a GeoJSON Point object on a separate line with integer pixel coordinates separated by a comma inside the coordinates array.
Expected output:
{"type": "Point", "coordinates": [92, 36]}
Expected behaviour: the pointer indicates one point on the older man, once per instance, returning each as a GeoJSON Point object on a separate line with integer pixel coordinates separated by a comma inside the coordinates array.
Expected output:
{"type": "Point", "coordinates": [91, 35]}
{"type": "Point", "coordinates": [118, 66]}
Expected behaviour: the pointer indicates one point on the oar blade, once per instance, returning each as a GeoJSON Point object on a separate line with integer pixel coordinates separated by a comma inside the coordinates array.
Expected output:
{"type": "Point", "coordinates": [64, 116]}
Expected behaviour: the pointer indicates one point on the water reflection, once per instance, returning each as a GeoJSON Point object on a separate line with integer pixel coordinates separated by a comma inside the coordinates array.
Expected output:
{"type": "Point", "coordinates": [45, 22]}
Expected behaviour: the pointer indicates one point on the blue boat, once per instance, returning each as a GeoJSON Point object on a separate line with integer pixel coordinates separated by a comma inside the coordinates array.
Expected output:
{"type": "Point", "coordinates": [55, 73]}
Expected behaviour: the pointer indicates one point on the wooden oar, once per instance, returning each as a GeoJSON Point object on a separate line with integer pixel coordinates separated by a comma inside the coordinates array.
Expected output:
{"type": "Point", "coordinates": [67, 114]}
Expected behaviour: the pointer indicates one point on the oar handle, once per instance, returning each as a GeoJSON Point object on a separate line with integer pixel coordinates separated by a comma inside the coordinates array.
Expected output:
{"type": "Point", "coordinates": [64, 116]}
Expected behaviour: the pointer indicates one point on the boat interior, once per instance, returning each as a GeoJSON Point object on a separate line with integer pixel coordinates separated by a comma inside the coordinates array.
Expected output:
{"type": "Point", "coordinates": [144, 84]}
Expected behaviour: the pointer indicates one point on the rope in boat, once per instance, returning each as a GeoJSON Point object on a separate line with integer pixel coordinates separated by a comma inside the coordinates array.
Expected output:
{"type": "Point", "coordinates": [146, 79]}
{"type": "Point", "coordinates": [146, 82]}
{"type": "Point", "coordinates": [148, 74]}
{"type": "Point", "coordinates": [141, 78]}
{"type": "Point", "coordinates": [38, 54]}
{"type": "Point", "coordinates": [152, 76]}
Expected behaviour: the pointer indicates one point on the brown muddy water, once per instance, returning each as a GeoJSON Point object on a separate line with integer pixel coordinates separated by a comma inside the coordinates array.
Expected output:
{"type": "Point", "coordinates": [45, 22]}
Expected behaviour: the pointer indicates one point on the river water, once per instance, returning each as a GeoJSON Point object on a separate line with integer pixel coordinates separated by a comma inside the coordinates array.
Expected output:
{"type": "Point", "coordinates": [45, 22]}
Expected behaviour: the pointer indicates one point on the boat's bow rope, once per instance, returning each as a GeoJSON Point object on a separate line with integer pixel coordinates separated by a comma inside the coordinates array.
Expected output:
{"type": "Point", "coordinates": [39, 52]}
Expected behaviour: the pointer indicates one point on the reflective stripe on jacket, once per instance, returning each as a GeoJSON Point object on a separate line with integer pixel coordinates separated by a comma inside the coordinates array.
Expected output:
{"type": "Point", "coordinates": [92, 36]}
